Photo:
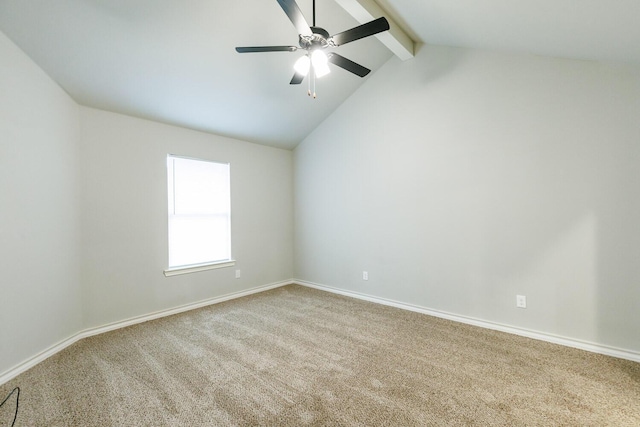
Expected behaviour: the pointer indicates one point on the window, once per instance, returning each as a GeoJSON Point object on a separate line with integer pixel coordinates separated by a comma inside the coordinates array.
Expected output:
{"type": "Point", "coordinates": [199, 215]}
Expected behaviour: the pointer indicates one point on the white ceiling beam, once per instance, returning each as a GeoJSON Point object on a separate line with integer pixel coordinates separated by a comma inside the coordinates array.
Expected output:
{"type": "Point", "coordinates": [395, 39]}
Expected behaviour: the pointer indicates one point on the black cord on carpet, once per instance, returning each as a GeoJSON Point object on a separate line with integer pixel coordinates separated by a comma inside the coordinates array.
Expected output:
{"type": "Point", "coordinates": [17, 391]}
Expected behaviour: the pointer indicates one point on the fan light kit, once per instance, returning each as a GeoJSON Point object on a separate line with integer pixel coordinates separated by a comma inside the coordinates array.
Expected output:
{"type": "Point", "coordinates": [315, 40]}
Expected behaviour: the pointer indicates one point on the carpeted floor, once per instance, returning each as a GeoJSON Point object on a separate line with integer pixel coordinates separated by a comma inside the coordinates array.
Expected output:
{"type": "Point", "coordinates": [295, 356]}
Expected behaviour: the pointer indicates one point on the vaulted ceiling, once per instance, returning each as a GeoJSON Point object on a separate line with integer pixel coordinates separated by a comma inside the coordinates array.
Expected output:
{"type": "Point", "coordinates": [174, 61]}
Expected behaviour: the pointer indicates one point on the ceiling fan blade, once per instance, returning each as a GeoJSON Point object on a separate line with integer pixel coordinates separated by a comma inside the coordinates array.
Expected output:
{"type": "Point", "coordinates": [348, 64]}
{"type": "Point", "coordinates": [365, 30]}
{"type": "Point", "coordinates": [292, 10]}
{"type": "Point", "coordinates": [250, 49]}
{"type": "Point", "coordinates": [297, 79]}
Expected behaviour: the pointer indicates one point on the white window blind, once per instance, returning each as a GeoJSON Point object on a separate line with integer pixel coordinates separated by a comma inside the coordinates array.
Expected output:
{"type": "Point", "coordinates": [199, 212]}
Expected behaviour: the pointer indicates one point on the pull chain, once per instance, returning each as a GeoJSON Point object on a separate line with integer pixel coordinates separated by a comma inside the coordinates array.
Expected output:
{"type": "Point", "coordinates": [312, 74]}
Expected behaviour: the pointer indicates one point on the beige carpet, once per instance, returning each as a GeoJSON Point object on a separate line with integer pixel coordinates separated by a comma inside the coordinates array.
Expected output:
{"type": "Point", "coordinates": [296, 356]}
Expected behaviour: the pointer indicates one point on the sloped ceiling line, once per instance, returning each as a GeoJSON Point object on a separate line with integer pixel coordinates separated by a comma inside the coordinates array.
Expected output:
{"type": "Point", "coordinates": [395, 39]}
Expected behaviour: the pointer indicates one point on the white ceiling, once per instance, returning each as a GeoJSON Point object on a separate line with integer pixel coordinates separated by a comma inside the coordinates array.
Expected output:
{"type": "Point", "coordinates": [174, 60]}
{"type": "Point", "coordinates": [605, 30]}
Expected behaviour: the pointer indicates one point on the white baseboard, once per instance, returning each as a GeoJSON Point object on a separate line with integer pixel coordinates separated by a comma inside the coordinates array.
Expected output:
{"type": "Point", "coordinates": [542, 336]}
{"type": "Point", "coordinates": [569, 342]}
{"type": "Point", "coordinates": [31, 362]}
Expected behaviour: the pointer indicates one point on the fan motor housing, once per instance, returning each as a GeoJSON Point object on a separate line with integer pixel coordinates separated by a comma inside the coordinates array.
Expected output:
{"type": "Point", "coordinates": [317, 40]}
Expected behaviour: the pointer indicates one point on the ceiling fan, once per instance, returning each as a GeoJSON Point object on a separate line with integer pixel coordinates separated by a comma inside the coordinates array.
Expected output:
{"type": "Point", "coordinates": [315, 40]}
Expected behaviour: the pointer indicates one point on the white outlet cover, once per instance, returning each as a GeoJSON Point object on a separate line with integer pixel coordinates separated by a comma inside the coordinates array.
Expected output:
{"type": "Point", "coordinates": [237, 274]}
{"type": "Point", "coordinates": [521, 301]}
{"type": "Point", "coordinates": [365, 275]}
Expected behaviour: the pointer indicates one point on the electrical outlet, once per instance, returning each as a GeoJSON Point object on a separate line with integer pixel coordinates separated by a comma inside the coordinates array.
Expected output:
{"type": "Point", "coordinates": [365, 275]}
{"type": "Point", "coordinates": [237, 274]}
{"type": "Point", "coordinates": [521, 301]}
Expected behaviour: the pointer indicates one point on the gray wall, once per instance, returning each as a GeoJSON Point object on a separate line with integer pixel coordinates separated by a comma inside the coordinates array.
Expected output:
{"type": "Point", "coordinates": [461, 178]}
{"type": "Point", "coordinates": [124, 216]}
{"type": "Point", "coordinates": [39, 233]}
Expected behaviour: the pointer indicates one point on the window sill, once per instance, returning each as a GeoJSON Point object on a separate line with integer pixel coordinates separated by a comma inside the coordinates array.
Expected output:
{"type": "Point", "coordinates": [199, 267]}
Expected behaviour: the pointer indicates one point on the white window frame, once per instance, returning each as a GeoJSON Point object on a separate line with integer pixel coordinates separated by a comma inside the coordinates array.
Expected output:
{"type": "Point", "coordinates": [192, 268]}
